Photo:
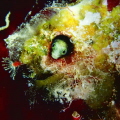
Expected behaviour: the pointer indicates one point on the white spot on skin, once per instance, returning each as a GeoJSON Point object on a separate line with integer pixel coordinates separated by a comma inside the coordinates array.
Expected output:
{"type": "Point", "coordinates": [76, 8]}
{"type": "Point", "coordinates": [104, 2]}
{"type": "Point", "coordinates": [118, 37]}
{"type": "Point", "coordinates": [112, 102]}
{"type": "Point", "coordinates": [90, 18]}
{"type": "Point", "coordinates": [30, 84]}
{"type": "Point", "coordinates": [113, 51]}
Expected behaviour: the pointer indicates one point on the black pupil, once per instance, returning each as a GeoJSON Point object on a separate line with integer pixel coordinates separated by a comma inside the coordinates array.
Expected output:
{"type": "Point", "coordinates": [53, 45]}
{"type": "Point", "coordinates": [64, 51]}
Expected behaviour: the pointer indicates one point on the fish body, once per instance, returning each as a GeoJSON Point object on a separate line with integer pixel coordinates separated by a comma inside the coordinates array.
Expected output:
{"type": "Point", "coordinates": [90, 42]}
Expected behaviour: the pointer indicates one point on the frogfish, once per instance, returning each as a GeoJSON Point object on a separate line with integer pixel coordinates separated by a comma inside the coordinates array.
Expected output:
{"type": "Point", "coordinates": [71, 51]}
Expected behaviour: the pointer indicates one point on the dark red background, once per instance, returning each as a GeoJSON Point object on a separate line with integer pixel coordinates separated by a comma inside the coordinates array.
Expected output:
{"type": "Point", "coordinates": [13, 103]}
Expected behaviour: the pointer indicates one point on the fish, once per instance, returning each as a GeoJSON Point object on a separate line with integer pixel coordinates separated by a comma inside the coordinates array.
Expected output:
{"type": "Point", "coordinates": [61, 46]}
{"type": "Point", "coordinates": [72, 51]}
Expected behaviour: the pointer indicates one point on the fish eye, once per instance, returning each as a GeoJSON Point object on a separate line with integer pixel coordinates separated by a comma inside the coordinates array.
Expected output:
{"type": "Point", "coordinates": [53, 44]}
{"type": "Point", "coordinates": [64, 52]}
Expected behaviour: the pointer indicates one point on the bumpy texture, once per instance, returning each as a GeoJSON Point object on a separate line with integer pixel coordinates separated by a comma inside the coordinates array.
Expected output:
{"type": "Point", "coordinates": [88, 71]}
